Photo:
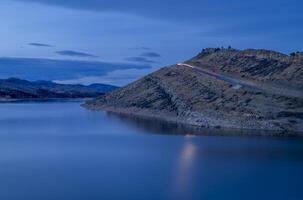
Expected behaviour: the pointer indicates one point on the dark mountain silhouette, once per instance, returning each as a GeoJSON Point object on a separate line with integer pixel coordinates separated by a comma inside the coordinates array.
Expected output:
{"type": "Point", "coordinates": [14, 88]}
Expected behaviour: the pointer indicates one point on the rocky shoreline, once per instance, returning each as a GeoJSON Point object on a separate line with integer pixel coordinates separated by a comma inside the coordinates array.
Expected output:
{"type": "Point", "coordinates": [253, 127]}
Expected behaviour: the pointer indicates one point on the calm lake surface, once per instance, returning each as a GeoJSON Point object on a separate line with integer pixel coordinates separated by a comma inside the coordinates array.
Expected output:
{"type": "Point", "coordinates": [61, 151]}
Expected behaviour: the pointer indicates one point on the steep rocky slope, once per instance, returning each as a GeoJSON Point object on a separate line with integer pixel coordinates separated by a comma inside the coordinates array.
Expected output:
{"type": "Point", "coordinates": [250, 89]}
{"type": "Point", "coordinates": [21, 89]}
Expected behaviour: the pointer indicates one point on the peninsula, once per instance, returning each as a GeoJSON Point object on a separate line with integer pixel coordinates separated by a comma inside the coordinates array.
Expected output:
{"type": "Point", "coordinates": [220, 88]}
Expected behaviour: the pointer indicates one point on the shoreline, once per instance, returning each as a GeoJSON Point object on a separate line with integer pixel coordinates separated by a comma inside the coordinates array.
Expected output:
{"type": "Point", "coordinates": [169, 118]}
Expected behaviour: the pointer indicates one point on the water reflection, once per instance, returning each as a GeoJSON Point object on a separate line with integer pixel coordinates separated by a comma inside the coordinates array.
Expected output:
{"type": "Point", "coordinates": [82, 154]}
{"type": "Point", "coordinates": [183, 174]}
{"type": "Point", "coordinates": [157, 126]}
{"type": "Point", "coordinates": [148, 124]}
{"type": "Point", "coordinates": [188, 152]}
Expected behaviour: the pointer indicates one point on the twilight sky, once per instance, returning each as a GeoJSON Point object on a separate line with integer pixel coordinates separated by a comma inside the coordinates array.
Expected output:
{"type": "Point", "coordinates": [118, 41]}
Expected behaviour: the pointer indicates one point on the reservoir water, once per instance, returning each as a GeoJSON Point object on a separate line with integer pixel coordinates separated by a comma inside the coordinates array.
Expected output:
{"type": "Point", "coordinates": [61, 151]}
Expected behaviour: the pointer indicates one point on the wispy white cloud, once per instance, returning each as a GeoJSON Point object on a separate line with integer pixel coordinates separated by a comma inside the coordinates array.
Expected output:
{"type": "Point", "coordinates": [75, 54]}
{"type": "Point", "coordinates": [139, 59]}
{"type": "Point", "coordinates": [39, 44]}
{"type": "Point", "coordinates": [151, 54]}
{"type": "Point", "coordinates": [52, 69]}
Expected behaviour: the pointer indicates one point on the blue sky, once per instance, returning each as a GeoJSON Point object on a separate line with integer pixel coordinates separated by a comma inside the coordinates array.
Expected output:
{"type": "Point", "coordinates": [134, 37]}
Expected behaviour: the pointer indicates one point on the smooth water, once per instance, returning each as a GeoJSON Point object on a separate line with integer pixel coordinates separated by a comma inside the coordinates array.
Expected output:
{"type": "Point", "coordinates": [61, 151]}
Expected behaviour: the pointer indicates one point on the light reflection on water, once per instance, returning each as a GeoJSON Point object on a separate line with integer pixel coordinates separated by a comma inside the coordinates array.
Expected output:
{"type": "Point", "coordinates": [183, 176]}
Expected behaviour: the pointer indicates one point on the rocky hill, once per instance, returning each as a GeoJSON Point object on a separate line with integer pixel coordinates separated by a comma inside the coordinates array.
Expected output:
{"type": "Point", "coordinates": [221, 88]}
{"type": "Point", "coordinates": [14, 89]}
{"type": "Point", "coordinates": [265, 66]}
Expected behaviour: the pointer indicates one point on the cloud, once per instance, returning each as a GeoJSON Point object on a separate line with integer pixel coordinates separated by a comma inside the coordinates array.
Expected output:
{"type": "Point", "coordinates": [75, 54]}
{"type": "Point", "coordinates": [190, 10]}
{"type": "Point", "coordinates": [39, 44]}
{"type": "Point", "coordinates": [151, 55]}
{"type": "Point", "coordinates": [120, 24]}
{"type": "Point", "coordinates": [119, 77]}
{"type": "Point", "coordinates": [144, 57]}
{"type": "Point", "coordinates": [255, 28]}
{"type": "Point", "coordinates": [139, 59]}
{"type": "Point", "coordinates": [156, 8]}
{"type": "Point", "coordinates": [141, 48]}
{"type": "Point", "coordinates": [49, 69]}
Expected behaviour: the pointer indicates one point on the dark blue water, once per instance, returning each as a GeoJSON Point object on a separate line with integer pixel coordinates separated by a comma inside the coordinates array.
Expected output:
{"type": "Point", "coordinates": [60, 151]}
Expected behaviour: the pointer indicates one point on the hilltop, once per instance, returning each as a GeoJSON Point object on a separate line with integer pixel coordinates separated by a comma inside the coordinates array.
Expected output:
{"type": "Point", "coordinates": [221, 88]}
{"type": "Point", "coordinates": [14, 89]}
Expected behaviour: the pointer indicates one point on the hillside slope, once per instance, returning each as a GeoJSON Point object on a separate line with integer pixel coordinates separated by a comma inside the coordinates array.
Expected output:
{"type": "Point", "coordinates": [250, 89]}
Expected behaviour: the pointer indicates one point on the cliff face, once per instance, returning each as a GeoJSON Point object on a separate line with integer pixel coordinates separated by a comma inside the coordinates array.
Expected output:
{"type": "Point", "coordinates": [219, 88]}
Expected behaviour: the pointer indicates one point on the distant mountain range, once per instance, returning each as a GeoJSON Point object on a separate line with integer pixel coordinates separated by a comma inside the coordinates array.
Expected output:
{"type": "Point", "coordinates": [14, 89]}
{"type": "Point", "coordinates": [221, 88]}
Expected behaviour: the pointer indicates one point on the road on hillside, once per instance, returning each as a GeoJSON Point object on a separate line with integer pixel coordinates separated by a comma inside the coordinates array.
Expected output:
{"type": "Point", "coordinates": [237, 84]}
